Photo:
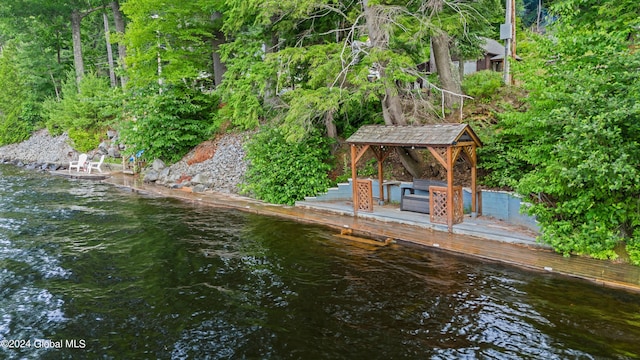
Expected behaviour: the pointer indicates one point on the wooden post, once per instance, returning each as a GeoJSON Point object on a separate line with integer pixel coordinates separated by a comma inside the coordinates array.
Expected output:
{"type": "Point", "coordinates": [450, 188]}
{"type": "Point", "coordinates": [354, 177]}
{"type": "Point", "coordinates": [380, 178]}
{"type": "Point", "coordinates": [474, 198]}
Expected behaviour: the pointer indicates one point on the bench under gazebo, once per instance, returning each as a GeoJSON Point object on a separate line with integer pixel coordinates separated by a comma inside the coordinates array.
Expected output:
{"type": "Point", "coordinates": [446, 142]}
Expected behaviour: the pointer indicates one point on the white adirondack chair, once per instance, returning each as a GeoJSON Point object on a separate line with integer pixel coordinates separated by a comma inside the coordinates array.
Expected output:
{"type": "Point", "coordinates": [78, 165]}
{"type": "Point", "coordinates": [96, 165]}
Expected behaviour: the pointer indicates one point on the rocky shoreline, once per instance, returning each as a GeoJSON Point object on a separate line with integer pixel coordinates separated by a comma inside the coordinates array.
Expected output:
{"type": "Point", "coordinates": [40, 151]}
{"type": "Point", "coordinates": [219, 165]}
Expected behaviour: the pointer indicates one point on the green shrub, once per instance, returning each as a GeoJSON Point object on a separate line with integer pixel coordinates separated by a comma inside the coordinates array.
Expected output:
{"type": "Point", "coordinates": [13, 129]}
{"type": "Point", "coordinates": [572, 149]}
{"type": "Point", "coordinates": [482, 84]}
{"type": "Point", "coordinates": [83, 140]}
{"type": "Point", "coordinates": [633, 249]}
{"type": "Point", "coordinates": [283, 172]}
{"type": "Point", "coordinates": [167, 125]}
{"type": "Point", "coordinates": [16, 104]}
{"type": "Point", "coordinates": [85, 111]}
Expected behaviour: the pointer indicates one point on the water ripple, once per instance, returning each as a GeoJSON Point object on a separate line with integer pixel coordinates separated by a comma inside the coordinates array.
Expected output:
{"type": "Point", "coordinates": [144, 277]}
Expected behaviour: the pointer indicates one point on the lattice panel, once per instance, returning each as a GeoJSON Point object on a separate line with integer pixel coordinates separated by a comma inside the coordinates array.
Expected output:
{"type": "Point", "coordinates": [381, 152]}
{"type": "Point", "coordinates": [469, 150]}
{"type": "Point", "coordinates": [455, 153]}
{"type": "Point", "coordinates": [360, 150]}
{"type": "Point", "coordinates": [364, 192]}
{"type": "Point", "coordinates": [438, 205]}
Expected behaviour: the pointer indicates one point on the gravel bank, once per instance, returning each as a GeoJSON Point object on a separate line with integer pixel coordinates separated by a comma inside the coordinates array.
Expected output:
{"type": "Point", "coordinates": [222, 171]}
{"type": "Point", "coordinates": [40, 149]}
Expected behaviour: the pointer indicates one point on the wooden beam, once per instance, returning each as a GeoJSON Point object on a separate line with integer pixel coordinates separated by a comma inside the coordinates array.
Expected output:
{"type": "Point", "coordinates": [456, 152]}
{"type": "Point", "coordinates": [361, 151]}
{"type": "Point", "coordinates": [440, 157]}
{"type": "Point", "coordinates": [381, 154]}
{"type": "Point", "coordinates": [380, 180]}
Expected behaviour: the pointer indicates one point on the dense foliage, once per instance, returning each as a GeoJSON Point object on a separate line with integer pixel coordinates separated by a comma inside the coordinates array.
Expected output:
{"type": "Point", "coordinates": [86, 111]}
{"type": "Point", "coordinates": [166, 125]}
{"type": "Point", "coordinates": [482, 85]}
{"type": "Point", "coordinates": [16, 121]}
{"type": "Point", "coordinates": [283, 172]}
{"type": "Point", "coordinates": [574, 151]}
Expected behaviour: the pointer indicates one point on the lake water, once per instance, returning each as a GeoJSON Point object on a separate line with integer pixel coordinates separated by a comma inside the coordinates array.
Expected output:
{"type": "Point", "coordinates": [91, 271]}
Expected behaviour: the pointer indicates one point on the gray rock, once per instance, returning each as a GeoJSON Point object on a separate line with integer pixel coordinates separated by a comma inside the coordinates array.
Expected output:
{"type": "Point", "coordinates": [201, 178]}
{"type": "Point", "coordinates": [158, 165]}
{"type": "Point", "coordinates": [151, 176]}
{"type": "Point", "coordinates": [164, 174]}
{"type": "Point", "coordinates": [103, 148]}
{"type": "Point", "coordinates": [224, 172]}
{"type": "Point", "coordinates": [199, 188]}
{"type": "Point", "coordinates": [114, 153]}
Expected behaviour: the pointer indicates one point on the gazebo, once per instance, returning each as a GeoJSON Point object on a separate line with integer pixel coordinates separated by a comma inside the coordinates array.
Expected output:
{"type": "Point", "coordinates": [446, 142]}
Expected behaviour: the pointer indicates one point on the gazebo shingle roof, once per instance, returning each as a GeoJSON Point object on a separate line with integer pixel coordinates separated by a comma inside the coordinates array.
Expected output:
{"type": "Point", "coordinates": [416, 136]}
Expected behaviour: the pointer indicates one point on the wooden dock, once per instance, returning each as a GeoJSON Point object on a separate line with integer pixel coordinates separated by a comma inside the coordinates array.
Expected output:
{"type": "Point", "coordinates": [83, 175]}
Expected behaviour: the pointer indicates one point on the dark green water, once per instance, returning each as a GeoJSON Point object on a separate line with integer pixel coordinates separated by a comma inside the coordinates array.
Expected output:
{"type": "Point", "coordinates": [129, 276]}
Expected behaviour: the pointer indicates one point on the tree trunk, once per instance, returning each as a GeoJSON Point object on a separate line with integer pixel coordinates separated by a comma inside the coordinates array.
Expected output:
{"type": "Point", "coordinates": [330, 126]}
{"type": "Point", "coordinates": [392, 108]}
{"type": "Point", "coordinates": [118, 19]}
{"type": "Point", "coordinates": [391, 103]}
{"type": "Point", "coordinates": [112, 72]}
{"type": "Point", "coordinates": [219, 67]}
{"type": "Point", "coordinates": [442, 58]}
{"type": "Point", "coordinates": [55, 85]}
{"type": "Point", "coordinates": [78, 62]}
{"type": "Point", "coordinates": [332, 131]}
{"type": "Point", "coordinates": [538, 16]}
{"type": "Point", "coordinates": [460, 69]}
{"type": "Point", "coordinates": [270, 96]}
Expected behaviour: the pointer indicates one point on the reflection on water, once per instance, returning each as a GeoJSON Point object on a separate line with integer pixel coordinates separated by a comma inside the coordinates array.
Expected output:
{"type": "Point", "coordinates": [138, 277]}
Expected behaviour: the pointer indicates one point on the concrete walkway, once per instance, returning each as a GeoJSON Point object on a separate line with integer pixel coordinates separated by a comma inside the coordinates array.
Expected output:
{"type": "Point", "coordinates": [480, 237]}
{"type": "Point", "coordinates": [480, 226]}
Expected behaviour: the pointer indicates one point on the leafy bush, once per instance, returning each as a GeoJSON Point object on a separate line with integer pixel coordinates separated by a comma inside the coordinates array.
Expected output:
{"type": "Point", "coordinates": [574, 151]}
{"type": "Point", "coordinates": [283, 172]}
{"type": "Point", "coordinates": [13, 129]}
{"type": "Point", "coordinates": [85, 111]}
{"type": "Point", "coordinates": [16, 118]}
{"type": "Point", "coordinates": [167, 124]}
{"type": "Point", "coordinates": [482, 84]}
{"type": "Point", "coordinates": [633, 249]}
